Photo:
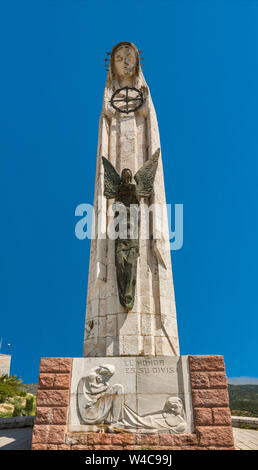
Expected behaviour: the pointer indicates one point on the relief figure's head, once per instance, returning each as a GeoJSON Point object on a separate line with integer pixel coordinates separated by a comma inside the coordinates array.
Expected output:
{"type": "Point", "coordinates": [104, 373]}
{"type": "Point", "coordinates": [174, 405]}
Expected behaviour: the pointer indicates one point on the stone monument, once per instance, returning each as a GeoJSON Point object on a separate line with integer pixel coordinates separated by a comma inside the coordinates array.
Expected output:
{"type": "Point", "coordinates": [128, 139]}
{"type": "Point", "coordinates": [132, 389]}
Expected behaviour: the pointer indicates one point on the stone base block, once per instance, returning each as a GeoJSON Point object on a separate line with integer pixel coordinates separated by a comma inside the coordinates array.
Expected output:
{"type": "Point", "coordinates": [133, 403]}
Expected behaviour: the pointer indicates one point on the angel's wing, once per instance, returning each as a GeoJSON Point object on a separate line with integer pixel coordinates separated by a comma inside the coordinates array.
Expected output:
{"type": "Point", "coordinates": [145, 176]}
{"type": "Point", "coordinates": [111, 179]}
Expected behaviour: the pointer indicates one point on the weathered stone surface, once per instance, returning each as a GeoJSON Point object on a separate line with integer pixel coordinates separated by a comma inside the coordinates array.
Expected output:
{"type": "Point", "coordinates": [221, 416]}
{"type": "Point", "coordinates": [62, 381]}
{"type": "Point", "coordinates": [56, 434]}
{"type": "Point", "coordinates": [44, 415]}
{"type": "Point", "coordinates": [208, 379]}
{"type": "Point", "coordinates": [217, 380]}
{"type": "Point", "coordinates": [215, 436]}
{"type": "Point", "coordinates": [64, 447]}
{"type": "Point", "coordinates": [203, 417]}
{"type": "Point", "coordinates": [80, 438]}
{"type": "Point", "coordinates": [50, 365]}
{"type": "Point", "coordinates": [124, 439]}
{"type": "Point", "coordinates": [206, 363]}
{"type": "Point", "coordinates": [60, 415]}
{"type": "Point", "coordinates": [56, 398]}
{"type": "Point", "coordinates": [46, 381]}
{"type": "Point", "coordinates": [148, 439]}
{"type": "Point", "coordinates": [210, 398]}
{"type": "Point", "coordinates": [81, 447]}
{"type": "Point", "coordinates": [200, 380]}
{"type": "Point", "coordinates": [99, 438]}
{"type": "Point", "coordinates": [178, 440]}
{"type": "Point", "coordinates": [39, 447]}
{"type": "Point", "coordinates": [51, 415]}
{"type": "Point", "coordinates": [40, 434]}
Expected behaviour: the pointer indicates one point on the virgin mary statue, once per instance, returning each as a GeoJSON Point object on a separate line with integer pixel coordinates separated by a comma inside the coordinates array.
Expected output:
{"type": "Point", "coordinates": [128, 137]}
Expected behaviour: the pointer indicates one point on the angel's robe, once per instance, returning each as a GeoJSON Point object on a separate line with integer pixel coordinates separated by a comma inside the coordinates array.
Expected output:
{"type": "Point", "coordinates": [150, 328]}
{"type": "Point", "coordinates": [127, 249]}
{"type": "Point", "coordinates": [127, 221]}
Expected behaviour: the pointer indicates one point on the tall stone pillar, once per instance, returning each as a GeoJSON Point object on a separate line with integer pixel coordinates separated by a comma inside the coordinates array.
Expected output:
{"type": "Point", "coordinates": [150, 327]}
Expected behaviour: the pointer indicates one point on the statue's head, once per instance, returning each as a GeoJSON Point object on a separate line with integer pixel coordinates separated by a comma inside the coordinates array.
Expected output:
{"type": "Point", "coordinates": [125, 60]}
{"type": "Point", "coordinates": [174, 405]}
{"type": "Point", "coordinates": [104, 373]}
{"type": "Point", "coordinates": [124, 63]}
{"type": "Point", "coordinates": [126, 176]}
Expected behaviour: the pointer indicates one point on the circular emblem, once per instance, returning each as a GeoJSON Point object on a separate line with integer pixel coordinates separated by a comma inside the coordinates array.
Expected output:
{"type": "Point", "coordinates": [127, 99]}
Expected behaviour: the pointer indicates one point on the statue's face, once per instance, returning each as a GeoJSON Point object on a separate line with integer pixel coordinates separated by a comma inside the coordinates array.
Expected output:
{"type": "Point", "coordinates": [174, 405]}
{"type": "Point", "coordinates": [125, 62]}
{"type": "Point", "coordinates": [102, 375]}
{"type": "Point", "coordinates": [99, 378]}
{"type": "Point", "coordinates": [126, 176]}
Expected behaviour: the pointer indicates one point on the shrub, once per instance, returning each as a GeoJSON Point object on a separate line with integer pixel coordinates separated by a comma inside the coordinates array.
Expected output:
{"type": "Point", "coordinates": [6, 414]}
{"type": "Point", "coordinates": [29, 405]}
{"type": "Point", "coordinates": [4, 393]}
{"type": "Point", "coordinates": [18, 406]}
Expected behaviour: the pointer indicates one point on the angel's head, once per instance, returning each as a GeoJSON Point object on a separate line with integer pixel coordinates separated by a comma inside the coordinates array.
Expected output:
{"type": "Point", "coordinates": [126, 176]}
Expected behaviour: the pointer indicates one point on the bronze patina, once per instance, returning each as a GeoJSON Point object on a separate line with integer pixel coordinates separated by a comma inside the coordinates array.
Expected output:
{"type": "Point", "coordinates": [128, 195]}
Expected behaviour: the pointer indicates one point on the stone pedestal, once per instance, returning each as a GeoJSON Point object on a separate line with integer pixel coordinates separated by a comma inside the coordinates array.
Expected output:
{"type": "Point", "coordinates": [141, 391]}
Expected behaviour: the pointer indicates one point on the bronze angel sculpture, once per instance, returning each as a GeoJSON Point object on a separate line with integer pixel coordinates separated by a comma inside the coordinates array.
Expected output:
{"type": "Point", "coordinates": [128, 195]}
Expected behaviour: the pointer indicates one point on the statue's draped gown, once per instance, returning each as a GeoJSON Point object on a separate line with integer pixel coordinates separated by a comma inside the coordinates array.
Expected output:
{"type": "Point", "coordinates": [150, 328]}
{"type": "Point", "coordinates": [127, 250]}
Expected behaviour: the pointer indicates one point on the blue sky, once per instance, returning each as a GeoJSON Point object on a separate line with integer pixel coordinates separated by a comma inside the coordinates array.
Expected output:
{"type": "Point", "coordinates": [201, 64]}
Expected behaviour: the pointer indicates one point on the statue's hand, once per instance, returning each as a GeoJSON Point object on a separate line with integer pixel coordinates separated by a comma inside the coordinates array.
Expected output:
{"type": "Point", "coordinates": [90, 403]}
{"type": "Point", "coordinates": [143, 110]}
{"type": "Point", "coordinates": [109, 111]}
{"type": "Point", "coordinates": [144, 90]}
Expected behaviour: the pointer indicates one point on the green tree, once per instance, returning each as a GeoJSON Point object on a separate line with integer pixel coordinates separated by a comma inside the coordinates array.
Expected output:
{"type": "Point", "coordinates": [9, 387]}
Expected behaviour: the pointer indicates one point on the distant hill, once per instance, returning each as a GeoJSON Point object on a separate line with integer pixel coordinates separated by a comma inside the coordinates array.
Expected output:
{"type": "Point", "coordinates": [243, 400]}
{"type": "Point", "coordinates": [30, 388]}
